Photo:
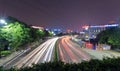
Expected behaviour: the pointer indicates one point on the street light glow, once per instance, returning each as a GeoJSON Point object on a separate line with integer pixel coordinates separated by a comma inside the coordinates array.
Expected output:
{"type": "Point", "coordinates": [3, 21]}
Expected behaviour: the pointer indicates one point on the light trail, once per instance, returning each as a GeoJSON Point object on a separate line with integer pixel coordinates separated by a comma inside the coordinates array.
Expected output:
{"type": "Point", "coordinates": [70, 53]}
{"type": "Point", "coordinates": [43, 53]}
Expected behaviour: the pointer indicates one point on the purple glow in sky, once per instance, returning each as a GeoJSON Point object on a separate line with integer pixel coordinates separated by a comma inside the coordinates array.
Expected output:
{"type": "Point", "coordinates": [65, 14]}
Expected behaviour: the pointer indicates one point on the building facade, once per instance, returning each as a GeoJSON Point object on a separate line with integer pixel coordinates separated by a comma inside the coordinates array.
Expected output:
{"type": "Point", "coordinates": [92, 31]}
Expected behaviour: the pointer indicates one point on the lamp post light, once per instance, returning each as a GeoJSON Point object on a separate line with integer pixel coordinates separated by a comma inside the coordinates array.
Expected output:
{"type": "Point", "coordinates": [2, 21]}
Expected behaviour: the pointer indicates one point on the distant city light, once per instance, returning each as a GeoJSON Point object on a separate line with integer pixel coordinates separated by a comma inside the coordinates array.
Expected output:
{"type": "Point", "coordinates": [85, 27]}
{"type": "Point", "coordinates": [97, 26]}
{"type": "Point", "coordinates": [55, 30]}
{"type": "Point", "coordinates": [100, 26]}
{"type": "Point", "coordinates": [46, 29]}
{"type": "Point", "coordinates": [82, 32]}
{"type": "Point", "coordinates": [59, 30]}
{"type": "Point", "coordinates": [112, 25]}
{"type": "Point", "coordinates": [52, 32]}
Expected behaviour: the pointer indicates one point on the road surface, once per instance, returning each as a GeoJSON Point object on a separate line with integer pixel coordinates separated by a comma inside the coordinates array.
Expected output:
{"type": "Point", "coordinates": [41, 54]}
{"type": "Point", "coordinates": [69, 52]}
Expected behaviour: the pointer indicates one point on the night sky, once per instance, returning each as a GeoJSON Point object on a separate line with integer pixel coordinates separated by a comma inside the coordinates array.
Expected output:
{"type": "Point", "coordinates": [63, 14]}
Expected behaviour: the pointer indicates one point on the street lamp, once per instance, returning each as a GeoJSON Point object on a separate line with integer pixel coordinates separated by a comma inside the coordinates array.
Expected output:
{"type": "Point", "coordinates": [2, 21]}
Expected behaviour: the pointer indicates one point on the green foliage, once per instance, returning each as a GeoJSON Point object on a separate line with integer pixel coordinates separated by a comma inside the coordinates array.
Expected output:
{"type": "Point", "coordinates": [107, 64]}
{"type": "Point", "coordinates": [3, 43]}
{"type": "Point", "coordinates": [39, 33]}
{"type": "Point", "coordinates": [17, 33]}
{"type": "Point", "coordinates": [50, 33]}
{"type": "Point", "coordinates": [6, 52]}
{"type": "Point", "coordinates": [110, 36]}
{"type": "Point", "coordinates": [1, 68]}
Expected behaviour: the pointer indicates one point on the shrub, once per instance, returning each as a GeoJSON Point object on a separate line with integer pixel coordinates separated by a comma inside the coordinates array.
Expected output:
{"type": "Point", "coordinates": [107, 64]}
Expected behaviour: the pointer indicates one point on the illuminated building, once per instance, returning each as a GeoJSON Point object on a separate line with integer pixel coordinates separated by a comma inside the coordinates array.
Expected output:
{"type": "Point", "coordinates": [92, 31]}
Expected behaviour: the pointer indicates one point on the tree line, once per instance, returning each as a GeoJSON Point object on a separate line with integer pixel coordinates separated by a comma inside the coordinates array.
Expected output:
{"type": "Point", "coordinates": [17, 33]}
{"type": "Point", "coordinates": [110, 36]}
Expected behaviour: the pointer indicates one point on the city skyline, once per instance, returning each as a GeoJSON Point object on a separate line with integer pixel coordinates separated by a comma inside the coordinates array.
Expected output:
{"type": "Point", "coordinates": [62, 14]}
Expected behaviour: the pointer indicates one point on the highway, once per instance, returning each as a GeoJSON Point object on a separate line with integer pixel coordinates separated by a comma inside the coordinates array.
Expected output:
{"type": "Point", "coordinates": [41, 54]}
{"type": "Point", "coordinates": [69, 52]}
{"type": "Point", "coordinates": [13, 58]}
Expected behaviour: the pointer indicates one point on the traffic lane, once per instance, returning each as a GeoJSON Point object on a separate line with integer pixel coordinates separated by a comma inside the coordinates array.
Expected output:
{"type": "Point", "coordinates": [29, 59]}
{"type": "Point", "coordinates": [49, 55]}
{"type": "Point", "coordinates": [14, 59]}
{"type": "Point", "coordinates": [39, 56]}
{"type": "Point", "coordinates": [28, 56]}
{"type": "Point", "coordinates": [74, 58]}
{"type": "Point", "coordinates": [63, 55]}
{"type": "Point", "coordinates": [68, 50]}
{"type": "Point", "coordinates": [44, 55]}
{"type": "Point", "coordinates": [78, 50]}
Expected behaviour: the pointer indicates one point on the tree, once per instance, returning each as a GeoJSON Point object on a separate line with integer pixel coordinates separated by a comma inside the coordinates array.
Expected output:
{"type": "Point", "coordinates": [110, 36]}
{"type": "Point", "coordinates": [16, 33]}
